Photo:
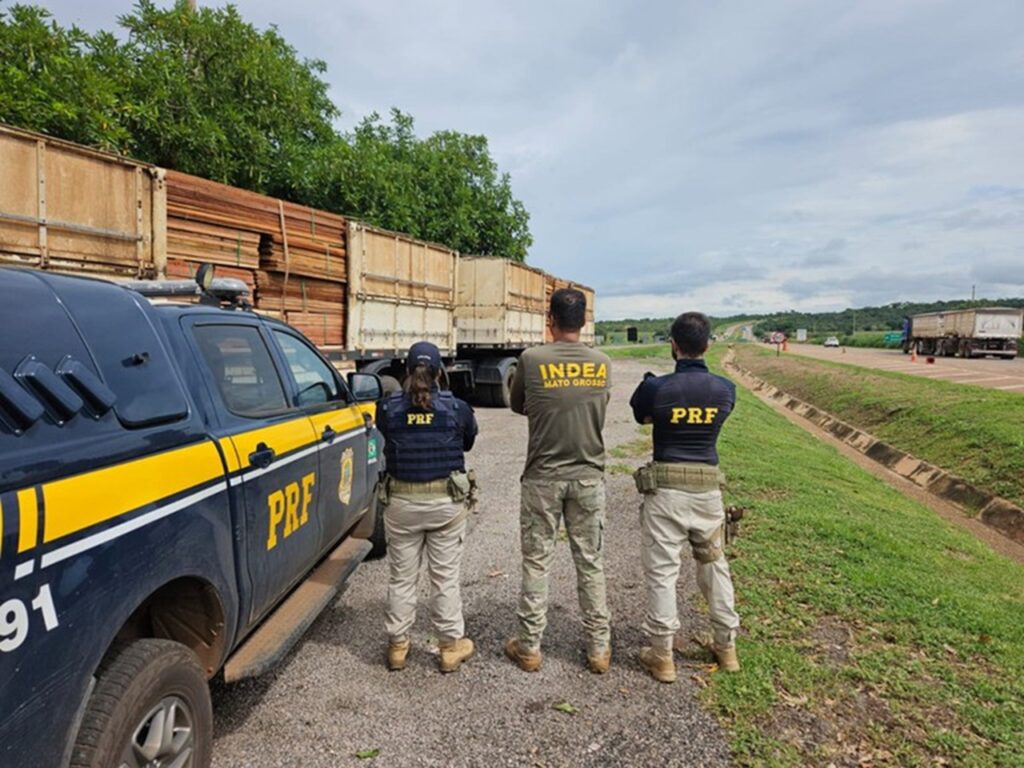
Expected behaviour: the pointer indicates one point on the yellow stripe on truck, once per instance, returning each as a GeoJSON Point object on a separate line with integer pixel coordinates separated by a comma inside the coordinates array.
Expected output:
{"type": "Point", "coordinates": [283, 438]}
{"type": "Point", "coordinates": [82, 501]}
{"type": "Point", "coordinates": [28, 519]}
{"type": "Point", "coordinates": [340, 421]}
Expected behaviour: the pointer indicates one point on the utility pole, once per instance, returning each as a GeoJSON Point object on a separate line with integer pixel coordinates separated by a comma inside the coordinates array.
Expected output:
{"type": "Point", "coordinates": [192, 5]}
{"type": "Point", "coordinates": [972, 292]}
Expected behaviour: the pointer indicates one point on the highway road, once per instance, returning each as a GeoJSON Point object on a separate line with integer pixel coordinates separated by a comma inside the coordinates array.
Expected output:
{"type": "Point", "coordinates": [1005, 375]}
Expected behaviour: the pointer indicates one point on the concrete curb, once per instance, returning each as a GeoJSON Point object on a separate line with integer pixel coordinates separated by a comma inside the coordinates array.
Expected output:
{"type": "Point", "coordinates": [995, 511]}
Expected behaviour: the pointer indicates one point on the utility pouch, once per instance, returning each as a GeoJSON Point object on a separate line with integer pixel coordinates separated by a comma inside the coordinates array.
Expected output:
{"type": "Point", "coordinates": [733, 515]}
{"type": "Point", "coordinates": [473, 497]}
{"type": "Point", "coordinates": [459, 487]}
{"type": "Point", "coordinates": [645, 479]}
{"type": "Point", "coordinates": [384, 490]}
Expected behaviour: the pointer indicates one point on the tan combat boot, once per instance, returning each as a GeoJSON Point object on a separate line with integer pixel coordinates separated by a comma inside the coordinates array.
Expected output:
{"type": "Point", "coordinates": [599, 659]}
{"type": "Point", "coordinates": [398, 650]}
{"type": "Point", "coordinates": [657, 659]}
{"type": "Point", "coordinates": [727, 658]}
{"type": "Point", "coordinates": [528, 661]}
{"type": "Point", "coordinates": [454, 652]}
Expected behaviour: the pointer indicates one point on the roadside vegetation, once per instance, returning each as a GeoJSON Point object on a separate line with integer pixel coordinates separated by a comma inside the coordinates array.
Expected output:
{"type": "Point", "coordinates": [875, 633]}
{"type": "Point", "coordinates": [660, 350]}
{"type": "Point", "coordinates": [973, 432]}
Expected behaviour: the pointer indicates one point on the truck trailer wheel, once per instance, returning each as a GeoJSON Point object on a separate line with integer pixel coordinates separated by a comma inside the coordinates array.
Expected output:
{"type": "Point", "coordinates": [501, 394]}
{"type": "Point", "coordinates": [151, 706]}
{"type": "Point", "coordinates": [390, 384]}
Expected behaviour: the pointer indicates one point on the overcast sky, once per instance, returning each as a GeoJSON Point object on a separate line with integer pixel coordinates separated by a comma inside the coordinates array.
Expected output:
{"type": "Point", "coordinates": [724, 156]}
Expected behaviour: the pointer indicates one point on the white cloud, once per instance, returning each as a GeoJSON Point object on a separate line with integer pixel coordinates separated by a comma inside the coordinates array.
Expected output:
{"type": "Point", "coordinates": [713, 154]}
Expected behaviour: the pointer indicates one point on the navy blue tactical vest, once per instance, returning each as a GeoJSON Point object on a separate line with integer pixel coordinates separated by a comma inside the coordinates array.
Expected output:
{"type": "Point", "coordinates": [423, 445]}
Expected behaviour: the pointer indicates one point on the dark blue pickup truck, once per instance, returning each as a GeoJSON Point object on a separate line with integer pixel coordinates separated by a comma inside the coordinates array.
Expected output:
{"type": "Point", "coordinates": [183, 487]}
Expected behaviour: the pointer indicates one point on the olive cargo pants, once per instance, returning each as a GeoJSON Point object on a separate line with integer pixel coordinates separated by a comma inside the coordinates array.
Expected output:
{"type": "Point", "coordinates": [670, 519]}
{"type": "Point", "coordinates": [543, 505]}
{"type": "Point", "coordinates": [434, 527]}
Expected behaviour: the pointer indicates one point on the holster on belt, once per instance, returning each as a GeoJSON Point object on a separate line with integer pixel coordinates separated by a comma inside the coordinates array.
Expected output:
{"type": "Point", "coordinates": [679, 476]}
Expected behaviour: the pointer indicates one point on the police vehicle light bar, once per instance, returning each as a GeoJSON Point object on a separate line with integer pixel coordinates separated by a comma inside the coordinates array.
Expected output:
{"type": "Point", "coordinates": [209, 289]}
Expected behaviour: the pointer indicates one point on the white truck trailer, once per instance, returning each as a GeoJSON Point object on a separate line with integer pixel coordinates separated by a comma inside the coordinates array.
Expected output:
{"type": "Point", "coordinates": [979, 332]}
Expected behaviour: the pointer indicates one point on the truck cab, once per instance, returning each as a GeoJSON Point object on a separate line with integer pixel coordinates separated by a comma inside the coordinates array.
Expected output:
{"type": "Point", "coordinates": [172, 476]}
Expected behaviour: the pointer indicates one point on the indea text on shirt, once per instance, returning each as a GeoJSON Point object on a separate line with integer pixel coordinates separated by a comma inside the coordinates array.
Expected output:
{"type": "Point", "coordinates": [556, 375]}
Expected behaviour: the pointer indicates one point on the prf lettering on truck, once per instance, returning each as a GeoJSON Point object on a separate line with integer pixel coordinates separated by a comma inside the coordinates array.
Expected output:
{"type": "Point", "coordinates": [693, 415]}
{"type": "Point", "coordinates": [284, 506]}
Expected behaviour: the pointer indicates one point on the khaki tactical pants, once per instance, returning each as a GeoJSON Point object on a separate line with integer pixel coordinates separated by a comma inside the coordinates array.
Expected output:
{"type": "Point", "coordinates": [543, 505]}
{"type": "Point", "coordinates": [670, 519]}
{"type": "Point", "coordinates": [436, 527]}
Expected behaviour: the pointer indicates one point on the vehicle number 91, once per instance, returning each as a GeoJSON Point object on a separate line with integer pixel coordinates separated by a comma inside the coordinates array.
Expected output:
{"type": "Point", "coordinates": [15, 618]}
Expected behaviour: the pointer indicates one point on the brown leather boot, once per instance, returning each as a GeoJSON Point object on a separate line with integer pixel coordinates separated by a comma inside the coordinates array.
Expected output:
{"type": "Point", "coordinates": [599, 659]}
{"type": "Point", "coordinates": [398, 650]}
{"type": "Point", "coordinates": [528, 661]}
{"type": "Point", "coordinates": [727, 658]}
{"type": "Point", "coordinates": [659, 662]}
{"type": "Point", "coordinates": [454, 652]}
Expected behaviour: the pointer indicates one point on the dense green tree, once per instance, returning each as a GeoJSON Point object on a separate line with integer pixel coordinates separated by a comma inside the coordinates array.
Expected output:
{"type": "Point", "coordinates": [61, 81]}
{"type": "Point", "coordinates": [214, 96]}
{"type": "Point", "coordinates": [207, 93]}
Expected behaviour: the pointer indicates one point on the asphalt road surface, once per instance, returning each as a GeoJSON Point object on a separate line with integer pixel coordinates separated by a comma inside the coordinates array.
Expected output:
{"type": "Point", "coordinates": [333, 697]}
{"type": "Point", "coordinates": [1005, 375]}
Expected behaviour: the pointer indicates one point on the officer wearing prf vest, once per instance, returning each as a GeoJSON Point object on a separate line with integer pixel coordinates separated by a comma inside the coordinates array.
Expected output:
{"type": "Point", "coordinates": [426, 494]}
{"type": "Point", "coordinates": [563, 388]}
{"type": "Point", "coordinates": [682, 500]}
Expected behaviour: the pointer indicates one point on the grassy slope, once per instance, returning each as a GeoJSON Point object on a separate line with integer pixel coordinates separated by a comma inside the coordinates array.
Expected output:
{"type": "Point", "coordinates": [974, 432]}
{"type": "Point", "coordinates": [874, 632]}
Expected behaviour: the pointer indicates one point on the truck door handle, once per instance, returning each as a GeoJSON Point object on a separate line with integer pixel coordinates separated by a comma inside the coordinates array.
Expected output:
{"type": "Point", "coordinates": [328, 434]}
{"type": "Point", "coordinates": [262, 457]}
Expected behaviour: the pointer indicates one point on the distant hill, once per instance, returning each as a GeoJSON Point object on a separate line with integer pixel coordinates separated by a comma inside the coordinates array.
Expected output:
{"type": "Point", "coordinates": [886, 318]}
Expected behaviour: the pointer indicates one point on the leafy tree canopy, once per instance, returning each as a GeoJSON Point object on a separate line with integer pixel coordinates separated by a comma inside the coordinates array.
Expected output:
{"type": "Point", "coordinates": [207, 93]}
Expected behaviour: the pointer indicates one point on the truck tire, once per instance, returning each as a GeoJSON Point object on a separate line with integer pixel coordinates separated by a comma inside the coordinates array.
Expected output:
{"type": "Point", "coordinates": [501, 394]}
{"type": "Point", "coordinates": [138, 687]}
{"type": "Point", "coordinates": [390, 384]}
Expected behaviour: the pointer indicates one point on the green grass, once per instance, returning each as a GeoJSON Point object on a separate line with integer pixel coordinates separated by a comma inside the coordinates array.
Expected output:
{"type": "Point", "coordinates": [874, 632]}
{"type": "Point", "coordinates": [643, 351]}
{"type": "Point", "coordinates": [973, 432]}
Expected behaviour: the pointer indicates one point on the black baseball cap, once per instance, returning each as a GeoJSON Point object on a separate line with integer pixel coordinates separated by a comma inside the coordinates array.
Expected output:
{"type": "Point", "coordinates": [423, 353]}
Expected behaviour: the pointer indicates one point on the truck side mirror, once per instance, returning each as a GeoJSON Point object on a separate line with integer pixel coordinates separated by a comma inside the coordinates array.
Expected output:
{"type": "Point", "coordinates": [366, 387]}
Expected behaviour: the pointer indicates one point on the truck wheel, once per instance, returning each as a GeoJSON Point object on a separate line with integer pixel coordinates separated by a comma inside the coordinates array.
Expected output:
{"type": "Point", "coordinates": [151, 706]}
{"type": "Point", "coordinates": [501, 394]}
{"type": "Point", "coordinates": [390, 384]}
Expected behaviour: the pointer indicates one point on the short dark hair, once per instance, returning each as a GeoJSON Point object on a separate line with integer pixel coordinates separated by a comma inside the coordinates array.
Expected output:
{"type": "Point", "coordinates": [691, 332]}
{"type": "Point", "coordinates": [569, 309]}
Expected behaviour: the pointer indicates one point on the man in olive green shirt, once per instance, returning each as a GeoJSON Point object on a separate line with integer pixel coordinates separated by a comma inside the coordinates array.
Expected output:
{"type": "Point", "coordinates": [563, 389]}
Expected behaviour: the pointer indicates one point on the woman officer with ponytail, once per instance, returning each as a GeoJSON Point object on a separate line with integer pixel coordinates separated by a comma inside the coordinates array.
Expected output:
{"type": "Point", "coordinates": [426, 496]}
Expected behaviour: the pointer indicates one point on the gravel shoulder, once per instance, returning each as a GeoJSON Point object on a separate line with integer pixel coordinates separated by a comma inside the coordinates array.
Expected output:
{"type": "Point", "coordinates": [333, 697]}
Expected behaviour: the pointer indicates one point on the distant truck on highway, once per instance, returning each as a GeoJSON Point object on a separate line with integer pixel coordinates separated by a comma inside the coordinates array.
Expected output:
{"type": "Point", "coordinates": [992, 331]}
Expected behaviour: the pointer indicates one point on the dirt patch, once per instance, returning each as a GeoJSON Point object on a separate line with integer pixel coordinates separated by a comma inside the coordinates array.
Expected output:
{"type": "Point", "coordinates": [831, 639]}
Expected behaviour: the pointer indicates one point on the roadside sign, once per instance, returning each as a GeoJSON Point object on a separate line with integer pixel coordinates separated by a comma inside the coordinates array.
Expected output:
{"type": "Point", "coordinates": [801, 334]}
{"type": "Point", "coordinates": [778, 337]}
{"type": "Point", "coordinates": [893, 337]}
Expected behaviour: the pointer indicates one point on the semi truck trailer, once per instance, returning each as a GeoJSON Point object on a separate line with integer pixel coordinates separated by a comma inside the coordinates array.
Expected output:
{"type": "Point", "coordinates": [992, 331]}
{"type": "Point", "coordinates": [362, 294]}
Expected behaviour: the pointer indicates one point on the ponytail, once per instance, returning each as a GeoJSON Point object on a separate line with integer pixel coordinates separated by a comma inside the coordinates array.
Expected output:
{"type": "Point", "coordinates": [418, 386]}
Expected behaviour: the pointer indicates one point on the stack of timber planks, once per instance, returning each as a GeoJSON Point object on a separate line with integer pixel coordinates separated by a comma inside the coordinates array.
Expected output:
{"type": "Point", "coordinates": [293, 258]}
